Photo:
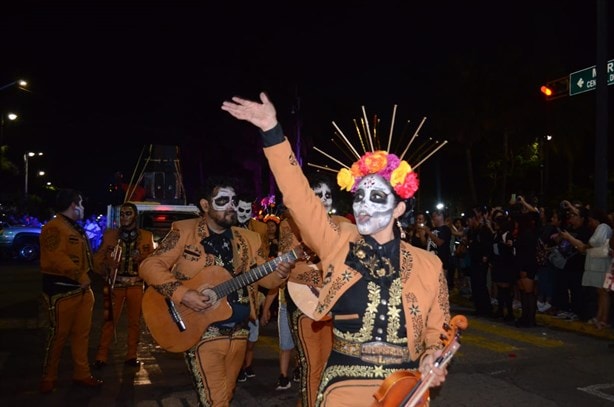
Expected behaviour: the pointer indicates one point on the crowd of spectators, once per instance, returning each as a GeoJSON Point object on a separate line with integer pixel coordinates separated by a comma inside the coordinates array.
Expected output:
{"type": "Point", "coordinates": [520, 258]}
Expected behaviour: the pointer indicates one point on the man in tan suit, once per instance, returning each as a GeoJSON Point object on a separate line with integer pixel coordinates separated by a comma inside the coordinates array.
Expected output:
{"type": "Point", "coordinates": [212, 245]}
{"type": "Point", "coordinates": [123, 285]}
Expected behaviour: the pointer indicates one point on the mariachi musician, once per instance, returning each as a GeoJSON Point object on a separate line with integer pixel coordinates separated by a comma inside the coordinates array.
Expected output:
{"type": "Point", "coordinates": [118, 260]}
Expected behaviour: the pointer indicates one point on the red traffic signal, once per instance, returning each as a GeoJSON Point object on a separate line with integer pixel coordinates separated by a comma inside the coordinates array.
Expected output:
{"type": "Point", "coordinates": [546, 90]}
{"type": "Point", "coordinates": [556, 88]}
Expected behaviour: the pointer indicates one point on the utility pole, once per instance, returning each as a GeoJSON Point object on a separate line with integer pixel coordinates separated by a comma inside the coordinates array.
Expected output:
{"type": "Point", "coordinates": [601, 119]}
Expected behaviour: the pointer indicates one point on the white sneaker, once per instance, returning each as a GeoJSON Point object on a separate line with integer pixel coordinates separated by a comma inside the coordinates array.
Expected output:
{"type": "Point", "coordinates": [543, 306]}
{"type": "Point", "coordinates": [516, 304]}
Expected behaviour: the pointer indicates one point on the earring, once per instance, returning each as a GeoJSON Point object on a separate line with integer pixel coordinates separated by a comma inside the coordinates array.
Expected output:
{"type": "Point", "coordinates": [401, 229]}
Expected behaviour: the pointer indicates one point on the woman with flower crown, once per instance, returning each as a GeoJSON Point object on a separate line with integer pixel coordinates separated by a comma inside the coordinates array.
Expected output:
{"type": "Point", "coordinates": [388, 300]}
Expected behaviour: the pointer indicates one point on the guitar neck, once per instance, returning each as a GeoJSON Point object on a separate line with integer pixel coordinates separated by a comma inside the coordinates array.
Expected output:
{"type": "Point", "coordinates": [414, 397]}
{"type": "Point", "coordinates": [253, 275]}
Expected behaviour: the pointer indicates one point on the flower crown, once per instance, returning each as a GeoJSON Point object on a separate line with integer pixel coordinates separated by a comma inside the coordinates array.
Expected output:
{"type": "Point", "coordinates": [394, 169]}
{"type": "Point", "coordinates": [397, 172]}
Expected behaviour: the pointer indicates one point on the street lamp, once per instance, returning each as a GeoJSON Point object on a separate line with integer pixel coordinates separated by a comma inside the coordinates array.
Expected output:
{"type": "Point", "coordinates": [12, 117]}
{"type": "Point", "coordinates": [26, 157]}
{"type": "Point", "coordinates": [21, 84]}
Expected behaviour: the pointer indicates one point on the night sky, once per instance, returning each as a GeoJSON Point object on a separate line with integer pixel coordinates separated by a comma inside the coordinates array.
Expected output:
{"type": "Point", "coordinates": [108, 78]}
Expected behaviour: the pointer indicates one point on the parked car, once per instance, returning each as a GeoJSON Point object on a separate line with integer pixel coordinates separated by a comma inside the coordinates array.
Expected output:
{"type": "Point", "coordinates": [20, 242]}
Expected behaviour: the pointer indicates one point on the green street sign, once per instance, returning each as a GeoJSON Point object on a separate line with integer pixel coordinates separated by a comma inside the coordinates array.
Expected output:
{"type": "Point", "coordinates": [586, 79]}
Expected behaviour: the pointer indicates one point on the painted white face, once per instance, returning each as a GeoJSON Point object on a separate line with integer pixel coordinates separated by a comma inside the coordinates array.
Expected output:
{"type": "Point", "coordinates": [244, 212]}
{"type": "Point", "coordinates": [325, 194]}
{"type": "Point", "coordinates": [80, 210]}
{"type": "Point", "coordinates": [225, 199]}
{"type": "Point", "coordinates": [373, 204]}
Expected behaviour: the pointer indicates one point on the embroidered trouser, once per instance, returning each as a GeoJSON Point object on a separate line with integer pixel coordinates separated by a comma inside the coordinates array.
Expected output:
{"type": "Point", "coordinates": [70, 317]}
{"type": "Point", "coordinates": [214, 364]}
{"type": "Point", "coordinates": [131, 296]}
{"type": "Point", "coordinates": [351, 393]}
{"type": "Point", "coordinates": [314, 341]}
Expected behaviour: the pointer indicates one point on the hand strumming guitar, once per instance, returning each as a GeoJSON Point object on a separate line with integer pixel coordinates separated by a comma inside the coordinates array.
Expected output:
{"type": "Point", "coordinates": [196, 300]}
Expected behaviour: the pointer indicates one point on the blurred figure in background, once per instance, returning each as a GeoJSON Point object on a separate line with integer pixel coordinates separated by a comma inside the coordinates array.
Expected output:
{"type": "Point", "coordinates": [123, 284]}
{"type": "Point", "coordinates": [65, 262]}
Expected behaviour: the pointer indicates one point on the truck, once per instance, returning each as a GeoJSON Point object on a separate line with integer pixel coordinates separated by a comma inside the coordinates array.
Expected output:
{"type": "Point", "coordinates": [156, 188]}
{"type": "Point", "coordinates": [155, 217]}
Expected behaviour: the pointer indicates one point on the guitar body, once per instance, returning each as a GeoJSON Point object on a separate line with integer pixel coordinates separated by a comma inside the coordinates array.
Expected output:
{"type": "Point", "coordinates": [394, 390]}
{"type": "Point", "coordinates": [163, 327]}
{"type": "Point", "coordinates": [305, 297]}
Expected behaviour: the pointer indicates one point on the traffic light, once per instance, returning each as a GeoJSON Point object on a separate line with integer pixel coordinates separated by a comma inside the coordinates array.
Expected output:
{"type": "Point", "coordinates": [546, 90]}
{"type": "Point", "coordinates": [556, 89]}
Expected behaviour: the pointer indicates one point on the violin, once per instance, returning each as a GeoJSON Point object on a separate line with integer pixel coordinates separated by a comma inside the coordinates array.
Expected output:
{"type": "Point", "coordinates": [107, 290]}
{"type": "Point", "coordinates": [406, 388]}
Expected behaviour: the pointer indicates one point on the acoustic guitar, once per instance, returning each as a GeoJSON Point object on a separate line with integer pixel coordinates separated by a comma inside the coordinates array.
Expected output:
{"type": "Point", "coordinates": [176, 327]}
{"type": "Point", "coordinates": [406, 388]}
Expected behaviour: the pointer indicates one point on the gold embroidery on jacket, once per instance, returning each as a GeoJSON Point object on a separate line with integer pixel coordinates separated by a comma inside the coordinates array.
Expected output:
{"type": "Point", "coordinates": [168, 243]}
{"type": "Point", "coordinates": [242, 251]}
{"type": "Point", "coordinates": [167, 289]}
{"type": "Point", "coordinates": [395, 307]}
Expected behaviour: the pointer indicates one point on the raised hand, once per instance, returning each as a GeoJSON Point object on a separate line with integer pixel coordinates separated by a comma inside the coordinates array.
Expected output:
{"type": "Point", "coordinates": [261, 115]}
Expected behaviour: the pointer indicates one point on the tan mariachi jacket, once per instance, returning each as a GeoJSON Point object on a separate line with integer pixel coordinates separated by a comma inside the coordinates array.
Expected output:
{"type": "Point", "coordinates": [110, 238]}
{"type": "Point", "coordinates": [181, 256]}
{"type": "Point", "coordinates": [425, 295]}
{"type": "Point", "coordinates": [64, 251]}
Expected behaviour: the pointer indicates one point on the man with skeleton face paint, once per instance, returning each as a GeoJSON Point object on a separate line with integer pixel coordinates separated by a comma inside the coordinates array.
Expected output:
{"type": "Point", "coordinates": [387, 299]}
{"type": "Point", "coordinates": [127, 288]}
{"type": "Point", "coordinates": [212, 245]}
{"type": "Point", "coordinates": [313, 339]}
{"type": "Point", "coordinates": [247, 221]}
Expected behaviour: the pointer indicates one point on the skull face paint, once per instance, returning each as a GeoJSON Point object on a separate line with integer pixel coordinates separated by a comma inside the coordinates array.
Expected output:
{"type": "Point", "coordinates": [225, 199]}
{"type": "Point", "coordinates": [244, 212]}
{"type": "Point", "coordinates": [325, 194]}
{"type": "Point", "coordinates": [373, 204]}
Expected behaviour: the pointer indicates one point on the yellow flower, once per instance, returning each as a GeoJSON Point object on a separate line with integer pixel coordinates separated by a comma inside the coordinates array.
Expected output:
{"type": "Point", "coordinates": [345, 179]}
{"type": "Point", "coordinates": [399, 174]}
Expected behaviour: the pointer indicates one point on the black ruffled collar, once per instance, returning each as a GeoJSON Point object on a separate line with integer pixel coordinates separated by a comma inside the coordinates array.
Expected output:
{"type": "Point", "coordinates": [374, 261]}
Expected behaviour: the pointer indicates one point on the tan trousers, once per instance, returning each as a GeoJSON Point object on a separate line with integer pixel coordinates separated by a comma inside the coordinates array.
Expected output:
{"type": "Point", "coordinates": [314, 342]}
{"type": "Point", "coordinates": [351, 393]}
{"type": "Point", "coordinates": [70, 317]}
{"type": "Point", "coordinates": [132, 298]}
{"type": "Point", "coordinates": [214, 364]}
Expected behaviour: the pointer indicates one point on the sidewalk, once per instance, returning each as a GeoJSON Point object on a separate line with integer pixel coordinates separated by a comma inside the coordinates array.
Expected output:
{"type": "Point", "coordinates": [549, 321]}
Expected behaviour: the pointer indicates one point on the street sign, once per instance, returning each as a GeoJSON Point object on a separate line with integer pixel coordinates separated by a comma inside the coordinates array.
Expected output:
{"type": "Point", "coordinates": [586, 79]}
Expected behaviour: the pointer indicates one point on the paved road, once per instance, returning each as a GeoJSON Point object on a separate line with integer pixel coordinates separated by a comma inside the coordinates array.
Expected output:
{"type": "Point", "coordinates": [163, 379]}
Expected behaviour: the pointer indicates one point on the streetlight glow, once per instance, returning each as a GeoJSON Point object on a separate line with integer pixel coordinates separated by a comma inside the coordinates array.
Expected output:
{"type": "Point", "coordinates": [21, 84]}
{"type": "Point", "coordinates": [11, 116]}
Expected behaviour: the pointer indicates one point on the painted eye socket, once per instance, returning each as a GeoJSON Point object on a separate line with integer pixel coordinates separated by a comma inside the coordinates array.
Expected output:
{"type": "Point", "coordinates": [375, 196]}
{"type": "Point", "coordinates": [225, 200]}
{"type": "Point", "coordinates": [359, 196]}
{"type": "Point", "coordinates": [378, 197]}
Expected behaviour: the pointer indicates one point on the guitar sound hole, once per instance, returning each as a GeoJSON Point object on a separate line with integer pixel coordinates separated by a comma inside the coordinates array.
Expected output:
{"type": "Point", "coordinates": [213, 299]}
